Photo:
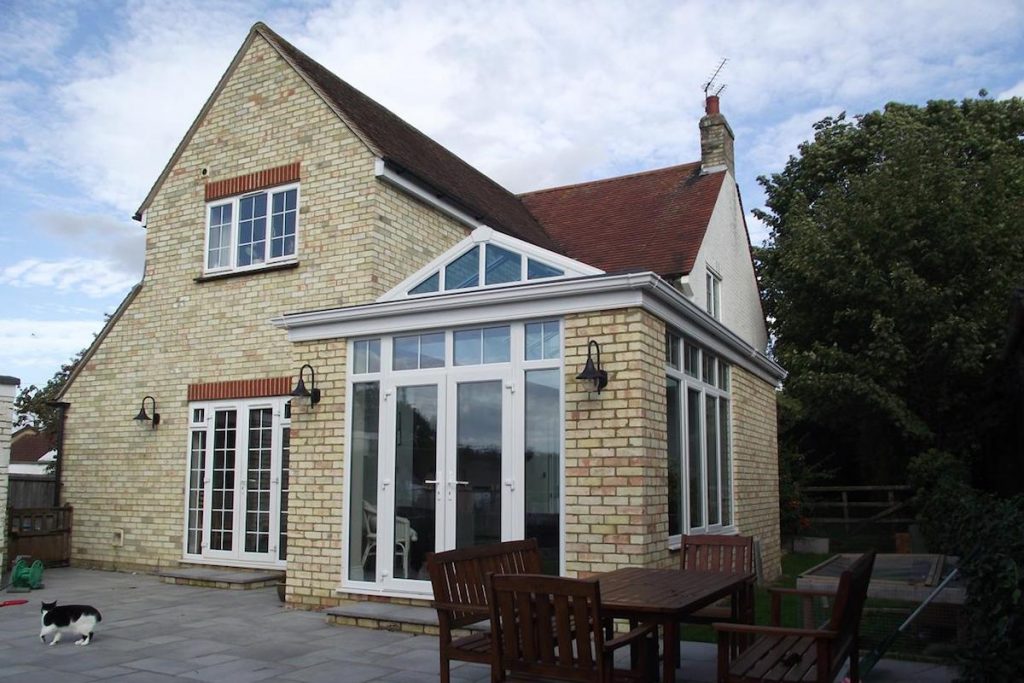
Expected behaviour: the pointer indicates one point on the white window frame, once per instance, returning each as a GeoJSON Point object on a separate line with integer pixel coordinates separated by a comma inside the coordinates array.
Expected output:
{"type": "Point", "coordinates": [705, 389]}
{"type": "Point", "coordinates": [279, 422]}
{"type": "Point", "coordinates": [235, 203]}
{"type": "Point", "coordinates": [514, 370]}
{"type": "Point", "coordinates": [713, 284]}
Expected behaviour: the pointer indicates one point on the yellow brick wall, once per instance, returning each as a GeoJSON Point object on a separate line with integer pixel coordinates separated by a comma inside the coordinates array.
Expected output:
{"type": "Point", "coordinates": [756, 465]}
{"type": "Point", "coordinates": [356, 240]}
{"type": "Point", "coordinates": [616, 509]}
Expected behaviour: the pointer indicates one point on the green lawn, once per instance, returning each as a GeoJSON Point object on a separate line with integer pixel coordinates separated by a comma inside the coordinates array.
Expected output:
{"type": "Point", "coordinates": [793, 565]}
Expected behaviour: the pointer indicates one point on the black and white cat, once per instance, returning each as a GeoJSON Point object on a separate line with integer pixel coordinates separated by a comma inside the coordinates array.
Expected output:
{"type": "Point", "coordinates": [80, 619]}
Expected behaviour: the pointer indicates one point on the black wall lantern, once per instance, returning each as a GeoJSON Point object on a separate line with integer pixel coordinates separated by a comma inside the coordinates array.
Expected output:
{"type": "Point", "coordinates": [593, 377]}
{"type": "Point", "coordinates": [143, 417]}
{"type": "Point", "coordinates": [300, 389]}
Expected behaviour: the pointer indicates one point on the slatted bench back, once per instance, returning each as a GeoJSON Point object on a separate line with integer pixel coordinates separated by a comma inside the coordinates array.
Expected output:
{"type": "Point", "coordinates": [718, 553]}
{"type": "Point", "coordinates": [459, 577]}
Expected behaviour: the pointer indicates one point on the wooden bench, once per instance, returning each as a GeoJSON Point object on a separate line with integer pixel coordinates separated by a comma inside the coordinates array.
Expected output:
{"type": "Point", "coordinates": [461, 594]}
{"type": "Point", "coordinates": [801, 654]}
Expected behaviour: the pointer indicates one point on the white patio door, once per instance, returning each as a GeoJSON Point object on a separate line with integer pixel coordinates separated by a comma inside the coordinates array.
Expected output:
{"type": "Point", "coordinates": [445, 479]}
{"type": "Point", "coordinates": [481, 495]}
{"type": "Point", "coordinates": [242, 477]}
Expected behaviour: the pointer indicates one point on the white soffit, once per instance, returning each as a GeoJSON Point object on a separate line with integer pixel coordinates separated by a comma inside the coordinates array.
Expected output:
{"type": "Point", "coordinates": [539, 299]}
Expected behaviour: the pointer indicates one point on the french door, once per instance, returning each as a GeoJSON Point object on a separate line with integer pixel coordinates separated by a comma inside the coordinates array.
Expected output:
{"type": "Point", "coordinates": [237, 475]}
{"type": "Point", "coordinates": [446, 480]}
{"type": "Point", "coordinates": [454, 441]}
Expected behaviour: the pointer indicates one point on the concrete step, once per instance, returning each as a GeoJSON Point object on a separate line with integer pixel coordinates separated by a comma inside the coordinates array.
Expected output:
{"type": "Point", "coordinates": [391, 617]}
{"type": "Point", "coordinates": [229, 578]}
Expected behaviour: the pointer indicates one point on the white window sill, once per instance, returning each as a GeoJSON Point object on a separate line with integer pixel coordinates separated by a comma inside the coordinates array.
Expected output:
{"type": "Point", "coordinates": [270, 267]}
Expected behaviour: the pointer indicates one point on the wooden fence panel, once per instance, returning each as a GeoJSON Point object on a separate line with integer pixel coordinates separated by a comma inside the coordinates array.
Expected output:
{"type": "Point", "coordinates": [30, 490]}
{"type": "Point", "coordinates": [41, 533]}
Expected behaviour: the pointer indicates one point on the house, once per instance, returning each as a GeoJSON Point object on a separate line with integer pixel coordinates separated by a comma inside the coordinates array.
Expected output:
{"type": "Point", "coordinates": [437, 323]}
{"type": "Point", "coordinates": [32, 452]}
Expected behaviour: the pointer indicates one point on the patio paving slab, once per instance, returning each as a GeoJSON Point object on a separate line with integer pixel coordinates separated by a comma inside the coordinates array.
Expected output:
{"type": "Point", "coordinates": [155, 632]}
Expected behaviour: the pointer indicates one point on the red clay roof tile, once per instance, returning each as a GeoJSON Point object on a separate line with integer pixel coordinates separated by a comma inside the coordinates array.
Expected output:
{"type": "Point", "coordinates": [653, 220]}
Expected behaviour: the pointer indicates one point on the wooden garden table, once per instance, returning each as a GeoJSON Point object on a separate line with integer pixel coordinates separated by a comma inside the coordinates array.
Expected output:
{"type": "Point", "coordinates": [664, 596]}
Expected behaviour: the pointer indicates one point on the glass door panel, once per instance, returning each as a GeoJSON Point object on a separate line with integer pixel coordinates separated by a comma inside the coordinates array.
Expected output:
{"type": "Point", "coordinates": [416, 468]}
{"type": "Point", "coordinates": [222, 493]}
{"type": "Point", "coordinates": [478, 463]}
{"type": "Point", "coordinates": [364, 433]}
{"type": "Point", "coordinates": [257, 481]}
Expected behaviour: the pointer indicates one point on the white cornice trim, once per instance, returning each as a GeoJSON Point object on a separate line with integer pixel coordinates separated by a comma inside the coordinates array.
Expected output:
{"type": "Point", "coordinates": [392, 177]}
{"type": "Point", "coordinates": [533, 300]}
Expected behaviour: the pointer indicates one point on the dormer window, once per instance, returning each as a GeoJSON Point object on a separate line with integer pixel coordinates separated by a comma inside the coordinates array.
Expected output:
{"type": "Point", "coordinates": [253, 230]}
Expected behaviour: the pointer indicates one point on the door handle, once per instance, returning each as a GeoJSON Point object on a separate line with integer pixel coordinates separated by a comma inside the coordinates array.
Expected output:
{"type": "Point", "coordinates": [459, 483]}
{"type": "Point", "coordinates": [511, 484]}
{"type": "Point", "coordinates": [430, 481]}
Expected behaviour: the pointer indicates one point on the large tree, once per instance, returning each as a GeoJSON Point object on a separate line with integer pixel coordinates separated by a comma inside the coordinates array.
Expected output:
{"type": "Point", "coordinates": [897, 241]}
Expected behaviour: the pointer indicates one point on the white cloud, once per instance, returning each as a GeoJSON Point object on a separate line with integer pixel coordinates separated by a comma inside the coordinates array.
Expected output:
{"type": "Point", "coordinates": [91, 277]}
{"type": "Point", "coordinates": [533, 93]}
{"type": "Point", "coordinates": [1016, 90]}
{"type": "Point", "coordinates": [32, 350]}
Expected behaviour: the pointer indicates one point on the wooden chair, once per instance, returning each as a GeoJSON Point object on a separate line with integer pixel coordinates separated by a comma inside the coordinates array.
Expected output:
{"type": "Point", "coordinates": [801, 654]}
{"type": "Point", "coordinates": [552, 628]}
{"type": "Point", "coordinates": [734, 554]}
{"type": "Point", "coordinates": [459, 579]}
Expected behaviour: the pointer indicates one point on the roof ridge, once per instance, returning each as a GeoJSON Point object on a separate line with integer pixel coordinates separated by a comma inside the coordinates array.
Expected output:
{"type": "Point", "coordinates": [613, 178]}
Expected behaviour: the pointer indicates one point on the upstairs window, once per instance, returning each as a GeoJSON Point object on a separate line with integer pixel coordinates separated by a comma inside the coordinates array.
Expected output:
{"type": "Point", "coordinates": [253, 230]}
{"type": "Point", "coordinates": [713, 283]}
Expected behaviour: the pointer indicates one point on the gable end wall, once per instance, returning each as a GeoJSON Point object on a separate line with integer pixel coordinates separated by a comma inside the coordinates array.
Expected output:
{"type": "Point", "coordinates": [356, 241]}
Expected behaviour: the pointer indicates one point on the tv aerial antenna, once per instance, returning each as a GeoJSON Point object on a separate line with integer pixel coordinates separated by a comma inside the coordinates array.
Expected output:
{"type": "Point", "coordinates": [712, 83]}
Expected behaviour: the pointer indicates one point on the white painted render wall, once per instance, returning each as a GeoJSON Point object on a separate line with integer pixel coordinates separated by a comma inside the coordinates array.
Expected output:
{"type": "Point", "coordinates": [726, 249]}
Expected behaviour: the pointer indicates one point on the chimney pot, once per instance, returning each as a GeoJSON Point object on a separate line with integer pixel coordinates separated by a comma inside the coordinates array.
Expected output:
{"type": "Point", "coordinates": [711, 105]}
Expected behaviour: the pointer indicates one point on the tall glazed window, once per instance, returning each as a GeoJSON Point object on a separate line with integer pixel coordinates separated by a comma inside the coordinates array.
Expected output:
{"type": "Point", "coordinates": [543, 463]}
{"type": "Point", "coordinates": [698, 439]}
{"type": "Point", "coordinates": [365, 436]}
{"type": "Point", "coordinates": [196, 483]}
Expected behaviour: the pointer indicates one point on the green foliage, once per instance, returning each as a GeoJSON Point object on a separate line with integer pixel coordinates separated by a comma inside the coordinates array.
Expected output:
{"type": "Point", "coordinates": [986, 533]}
{"type": "Point", "coordinates": [31, 404]}
{"type": "Point", "coordinates": [896, 243]}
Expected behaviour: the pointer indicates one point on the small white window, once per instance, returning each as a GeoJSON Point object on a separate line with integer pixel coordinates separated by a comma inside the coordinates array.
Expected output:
{"type": "Point", "coordinates": [714, 294]}
{"type": "Point", "coordinates": [253, 230]}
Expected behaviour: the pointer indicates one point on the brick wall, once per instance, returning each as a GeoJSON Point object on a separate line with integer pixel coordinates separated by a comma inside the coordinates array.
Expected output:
{"type": "Point", "coordinates": [756, 465]}
{"type": "Point", "coordinates": [616, 510]}
{"type": "Point", "coordinates": [179, 332]}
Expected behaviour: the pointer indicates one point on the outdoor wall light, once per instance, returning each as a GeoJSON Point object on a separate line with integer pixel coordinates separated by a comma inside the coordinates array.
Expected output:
{"type": "Point", "coordinates": [300, 389]}
{"type": "Point", "coordinates": [593, 377]}
{"type": "Point", "coordinates": [144, 417]}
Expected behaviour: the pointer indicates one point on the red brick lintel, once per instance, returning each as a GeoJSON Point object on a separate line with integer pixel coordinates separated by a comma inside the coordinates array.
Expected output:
{"type": "Point", "coordinates": [240, 388]}
{"type": "Point", "coordinates": [259, 180]}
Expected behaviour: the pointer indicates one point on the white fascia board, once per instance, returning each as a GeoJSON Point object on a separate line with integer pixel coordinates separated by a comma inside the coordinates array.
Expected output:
{"type": "Point", "coordinates": [392, 177]}
{"type": "Point", "coordinates": [549, 298]}
{"type": "Point", "coordinates": [672, 306]}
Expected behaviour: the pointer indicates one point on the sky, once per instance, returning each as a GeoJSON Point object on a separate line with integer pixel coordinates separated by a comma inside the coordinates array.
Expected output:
{"type": "Point", "coordinates": [95, 95]}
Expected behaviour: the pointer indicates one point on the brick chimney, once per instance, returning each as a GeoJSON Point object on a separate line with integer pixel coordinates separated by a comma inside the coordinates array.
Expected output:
{"type": "Point", "coordinates": [716, 140]}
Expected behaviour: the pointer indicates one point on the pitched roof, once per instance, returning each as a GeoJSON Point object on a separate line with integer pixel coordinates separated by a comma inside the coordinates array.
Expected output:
{"type": "Point", "coordinates": [29, 444]}
{"type": "Point", "coordinates": [400, 144]}
{"type": "Point", "coordinates": [653, 220]}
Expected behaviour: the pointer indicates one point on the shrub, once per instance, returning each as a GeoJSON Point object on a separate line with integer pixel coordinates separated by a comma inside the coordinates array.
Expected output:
{"type": "Point", "coordinates": [986, 532]}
